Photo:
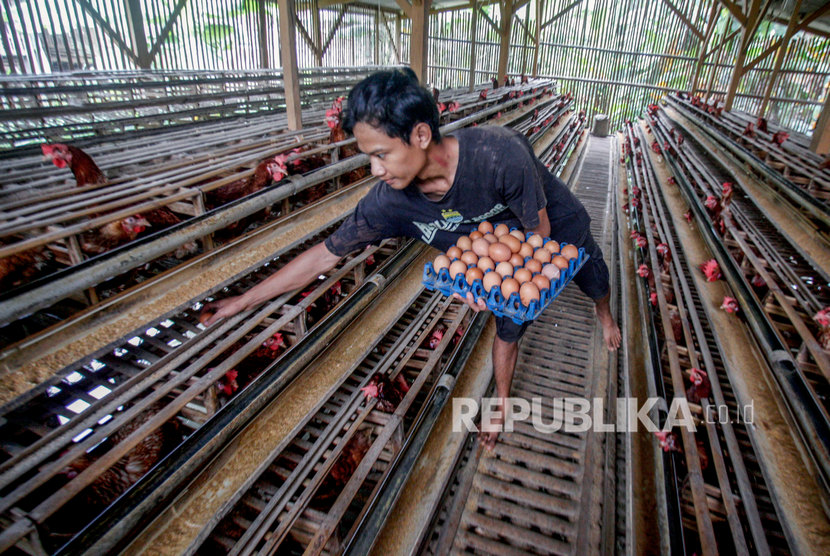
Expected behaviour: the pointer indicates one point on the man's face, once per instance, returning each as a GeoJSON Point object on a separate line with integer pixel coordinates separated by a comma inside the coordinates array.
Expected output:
{"type": "Point", "coordinates": [392, 160]}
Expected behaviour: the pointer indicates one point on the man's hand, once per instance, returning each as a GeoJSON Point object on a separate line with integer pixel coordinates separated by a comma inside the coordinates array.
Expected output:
{"type": "Point", "coordinates": [221, 309]}
{"type": "Point", "coordinates": [470, 300]}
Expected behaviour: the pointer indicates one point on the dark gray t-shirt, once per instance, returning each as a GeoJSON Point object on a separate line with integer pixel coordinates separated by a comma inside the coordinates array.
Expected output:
{"type": "Point", "coordinates": [498, 179]}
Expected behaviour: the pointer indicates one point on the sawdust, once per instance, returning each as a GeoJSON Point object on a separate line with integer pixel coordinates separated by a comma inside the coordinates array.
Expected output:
{"type": "Point", "coordinates": [750, 377]}
{"type": "Point", "coordinates": [150, 300]}
{"type": "Point", "coordinates": [176, 528]}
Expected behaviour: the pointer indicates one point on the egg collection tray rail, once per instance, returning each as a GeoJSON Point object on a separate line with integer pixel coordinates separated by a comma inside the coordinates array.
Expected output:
{"type": "Point", "coordinates": [501, 307]}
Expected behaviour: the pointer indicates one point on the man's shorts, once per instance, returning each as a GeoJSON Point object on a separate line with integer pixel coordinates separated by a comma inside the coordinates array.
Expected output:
{"type": "Point", "coordinates": [592, 278]}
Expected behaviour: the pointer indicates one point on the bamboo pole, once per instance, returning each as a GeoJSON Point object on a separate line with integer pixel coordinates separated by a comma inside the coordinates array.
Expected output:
{"type": "Point", "coordinates": [418, 42]}
{"type": "Point", "coordinates": [504, 33]}
{"type": "Point", "coordinates": [704, 43]}
{"type": "Point", "coordinates": [288, 48]}
{"type": "Point", "coordinates": [779, 58]}
{"type": "Point", "coordinates": [538, 36]}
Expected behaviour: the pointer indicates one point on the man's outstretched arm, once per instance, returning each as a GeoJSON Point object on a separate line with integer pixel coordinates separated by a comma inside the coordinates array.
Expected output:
{"type": "Point", "coordinates": [301, 270]}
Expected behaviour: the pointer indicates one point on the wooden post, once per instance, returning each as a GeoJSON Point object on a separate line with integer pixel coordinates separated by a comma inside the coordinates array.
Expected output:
{"type": "Point", "coordinates": [474, 15]}
{"type": "Point", "coordinates": [820, 144]}
{"type": "Point", "coordinates": [704, 43]}
{"type": "Point", "coordinates": [779, 58]}
{"type": "Point", "coordinates": [746, 37]}
{"type": "Point", "coordinates": [263, 34]}
{"type": "Point", "coordinates": [290, 72]}
{"type": "Point", "coordinates": [537, 39]}
{"type": "Point", "coordinates": [138, 36]}
{"type": "Point", "coordinates": [418, 54]}
{"type": "Point", "coordinates": [317, 33]}
{"type": "Point", "coordinates": [504, 50]}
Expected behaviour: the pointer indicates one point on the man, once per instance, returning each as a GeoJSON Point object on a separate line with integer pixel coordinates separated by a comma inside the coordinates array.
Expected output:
{"type": "Point", "coordinates": [437, 189]}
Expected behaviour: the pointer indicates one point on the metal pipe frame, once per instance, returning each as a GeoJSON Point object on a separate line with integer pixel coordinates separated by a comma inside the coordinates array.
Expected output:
{"type": "Point", "coordinates": [812, 424]}
{"type": "Point", "coordinates": [134, 509]}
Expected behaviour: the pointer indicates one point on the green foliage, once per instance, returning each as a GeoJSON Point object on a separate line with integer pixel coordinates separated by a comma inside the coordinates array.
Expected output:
{"type": "Point", "coordinates": [218, 36]}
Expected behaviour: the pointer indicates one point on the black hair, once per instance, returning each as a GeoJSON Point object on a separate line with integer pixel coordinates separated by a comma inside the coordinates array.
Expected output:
{"type": "Point", "coordinates": [394, 102]}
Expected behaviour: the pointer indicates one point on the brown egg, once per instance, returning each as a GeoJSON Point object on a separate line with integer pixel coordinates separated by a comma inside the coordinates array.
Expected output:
{"type": "Point", "coordinates": [441, 261]}
{"type": "Point", "coordinates": [526, 250]}
{"type": "Point", "coordinates": [464, 243]}
{"type": "Point", "coordinates": [504, 269]}
{"type": "Point", "coordinates": [522, 275]}
{"type": "Point", "coordinates": [469, 258]}
{"type": "Point", "coordinates": [533, 266]}
{"type": "Point", "coordinates": [491, 279]}
{"type": "Point", "coordinates": [501, 230]}
{"type": "Point", "coordinates": [560, 262]}
{"type": "Point", "coordinates": [204, 317]}
{"type": "Point", "coordinates": [508, 287]}
{"type": "Point", "coordinates": [542, 255]}
{"type": "Point", "coordinates": [570, 252]}
{"type": "Point", "coordinates": [485, 264]}
{"type": "Point", "coordinates": [516, 260]}
{"type": "Point", "coordinates": [551, 272]}
{"type": "Point", "coordinates": [499, 252]}
{"type": "Point", "coordinates": [485, 228]}
{"type": "Point", "coordinates": [475, 234]}
{"type": "Point", "coordinates": [453, 252]}
{"type": "Point", "coordinates": [513, 243]}
{"type": "Point", "coordinates": [481, 247]}
{"type": "Point", "coordinates": [528, 292]}
{"type": "Point", "coordinates": [541, 282]}
{"type": "Point", "coordinates": [518, 234]}
{"type": "Point", "coordinates": [491, 238]}
{"type": "Point", "coordinates": [535, 240]}
{"type": "Point", "coordinates": [552, 246]}
{"type": "Point", "coordinates": [473, 274]}
{"type": "Point", "coordinates": [457, 267]}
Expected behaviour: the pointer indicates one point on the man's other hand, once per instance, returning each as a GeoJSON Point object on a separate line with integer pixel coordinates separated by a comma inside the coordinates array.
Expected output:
{"type": "Point", "coordinates": [476, 306]}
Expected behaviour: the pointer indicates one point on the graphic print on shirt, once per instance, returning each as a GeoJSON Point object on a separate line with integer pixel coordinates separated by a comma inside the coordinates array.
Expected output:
{"type": "Point", "coordinates": [451, 219]}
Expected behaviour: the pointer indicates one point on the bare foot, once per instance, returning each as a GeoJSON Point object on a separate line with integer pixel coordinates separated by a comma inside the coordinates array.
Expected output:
{"type": "Point", "coordinates": [490, 428]}
{"type": "Point", "coordinates": [611, 334]}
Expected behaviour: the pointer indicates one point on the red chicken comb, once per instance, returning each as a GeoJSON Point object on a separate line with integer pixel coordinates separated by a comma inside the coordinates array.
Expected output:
{"type": "Point", "coordinates": [730, 305]}
{"type": "Point", "coordinates": [56, 152]}
{"type": "Point", "coordinates": [643, 271]}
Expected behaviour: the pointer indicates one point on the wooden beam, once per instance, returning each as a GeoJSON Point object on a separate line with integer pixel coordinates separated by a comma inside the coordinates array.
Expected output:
{"type": "Point", "coordinates": [168, 26]}
{"type": "Point", "coordinates": [812, 30]}
{"type": "Point", "coordinates": [820, 143]}
{"type": "Point", "coordinates": [565, 10]}
{"type": "Point", "coordinates": [391, 38]}
{"type": "Point", "coordinates": [684, 19]}
{"type": "Point", "coordinates": [706, 36]}
{"type": "Point", "coordinates": [105, 26]}
{"type": "Point", "coordinates": [523, 26]}
{"type": "Point", "coordinates": [763, 55]}
{"type": "Point", "coordinates": [711, 82]}
{"type": "Point", "coordinates": [812, 17]}
{"type": "Point", "coordinates": [406, 7]}
{"type": "Point", "coordinates": [489, 20]}
{"type": "Point", "coordinates": [779, 58]}
{"type": "Point", "coordinates": [738, 70]}
{"type": "Point", "coordinates": [418, 53]}
{"type": "Point", "coordinates": [540, 7]}
{"type": "Point", "coordinates": [290, 72]}
{"type": "Point", "coordinates": [307, 38]}
{"type": "Point", "coordinates": [262, 22]}
{"type": "Point", "coordinates": [474, 24]}
{"type": "Point", "coordinates": [735, 11]}
{"type": "Point", "coordinates": [504, 33]}
{"type": "Point", "coordinates": [728, 38]}
{"type": "Point", "coordinates": [756, 23]}
{"type": "Point", "coordinates": [316, 28]}
{"type": "Point", "coordinates": [138, 35]}
{"type": "Point", "coordinates": [343, 9]}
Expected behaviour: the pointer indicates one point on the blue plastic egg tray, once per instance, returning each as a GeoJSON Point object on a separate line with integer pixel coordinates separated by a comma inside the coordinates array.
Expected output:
{"type": "Point", "coordinates": [501, 307]}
